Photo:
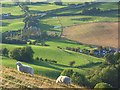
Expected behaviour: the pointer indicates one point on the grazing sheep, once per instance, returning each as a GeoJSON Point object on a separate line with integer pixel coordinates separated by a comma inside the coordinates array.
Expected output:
{"type": "Point", "coordinates": [24, 68]}
{"type": "Point", "coordinates": [64, 79]}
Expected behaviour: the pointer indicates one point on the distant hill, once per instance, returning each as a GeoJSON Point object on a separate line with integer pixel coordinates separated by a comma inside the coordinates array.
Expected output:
{"type": "Point", "coordinates": [103, 33]}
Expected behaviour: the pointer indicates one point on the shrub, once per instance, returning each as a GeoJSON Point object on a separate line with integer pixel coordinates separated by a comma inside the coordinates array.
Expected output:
{"type": "Point", "coordinates": [110, 58]}
{"type": "Point", "coordinates": [46, 60]}
{"type": "Point", "coordinates": [13, 41]}
{"type": "Point", "coordinates": [22, 54]}
{"type": "Point", "coordinates": [109, 75]}
{"type": "Point", "coordinates": [4, 52]}
{"type": "Point", "coordinates": [41, 59]}
{"type": "Point", "coordinates": [67, 72]}
{"type": "Point", "coordinates": [94, 80]}
{"type": "Point", "coordinates": [117, 56]}
{"type": "Point", "coordinates": [103, 85]}
{"type": "Point", "coordinates": [71, 63]}
{"type": "Point", "coordinates": [53, 61]}
{"type": "Point", "coordinates": [37, 58]}
{"type": "Point", "coordinates": [79, 79]}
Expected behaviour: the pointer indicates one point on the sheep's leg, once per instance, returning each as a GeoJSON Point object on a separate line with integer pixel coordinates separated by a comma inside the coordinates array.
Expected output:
{"type": "Point", "coordinates": [32, 73]}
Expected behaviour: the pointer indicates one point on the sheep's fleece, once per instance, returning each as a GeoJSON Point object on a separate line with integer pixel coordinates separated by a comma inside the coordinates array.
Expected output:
{"type": "Point", "coordinates": [64, 79]}
{"type": "Point", "coordinates": [24, 68]}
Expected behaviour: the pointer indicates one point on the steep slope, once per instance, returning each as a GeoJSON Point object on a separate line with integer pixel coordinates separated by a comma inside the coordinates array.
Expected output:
{"type": "Point", "coordinates": [12, 78]}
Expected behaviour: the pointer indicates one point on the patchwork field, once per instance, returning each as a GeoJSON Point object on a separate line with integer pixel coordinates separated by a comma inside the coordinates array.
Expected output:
{"type": "Point", "coordinates": [82, 23]}
{"type": "Point", "coordinates": [104, 33]}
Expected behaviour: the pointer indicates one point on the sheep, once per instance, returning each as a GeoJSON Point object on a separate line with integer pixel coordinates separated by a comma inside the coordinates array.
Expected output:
{"type": "Point", "coordinates": [64, 79]}
{"type": "Point", "coordinates": [24, 68]}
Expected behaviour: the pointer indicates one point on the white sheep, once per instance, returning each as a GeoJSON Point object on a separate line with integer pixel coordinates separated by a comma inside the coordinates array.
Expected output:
{"type": "Point", "coordinates": [64, 79]}
{"type": "Point", "coordinates": [24, 68]}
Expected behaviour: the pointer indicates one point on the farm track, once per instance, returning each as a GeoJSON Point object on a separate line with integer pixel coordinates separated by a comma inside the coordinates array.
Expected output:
{"type": "Point", "coordinates": [11, 78]}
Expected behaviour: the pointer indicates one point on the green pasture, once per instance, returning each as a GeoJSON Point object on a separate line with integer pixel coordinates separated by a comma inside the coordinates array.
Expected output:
{"type": "Point", "coordinates": [50, 22]}
{"type": "Point", "coordinates": [61, 56]}
{"type": "Point", "coordinates": [73, 20]}
{"type": "Point", "coordinates": [14, 10]}
{"type": "Point", "coordinates": [108, 6]}
{"type": "Point", "coordinates": [44, 7]}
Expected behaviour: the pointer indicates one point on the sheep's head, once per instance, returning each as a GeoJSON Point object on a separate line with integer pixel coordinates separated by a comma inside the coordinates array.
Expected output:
{"type": "Point", "coordinates": [19, 63]}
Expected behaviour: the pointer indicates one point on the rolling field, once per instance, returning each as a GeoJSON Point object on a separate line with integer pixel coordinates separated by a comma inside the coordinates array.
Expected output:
{"type": "Point", "coordinates": [63, 57]}
{"type": "Point", "coordinates": [104, 34]}
{"type": "Point", "coordinates": [50, 22]}
{"type": "Point", "coordinates": [78, 31]}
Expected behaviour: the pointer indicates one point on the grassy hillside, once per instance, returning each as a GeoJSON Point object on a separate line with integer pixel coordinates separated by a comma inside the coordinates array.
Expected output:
{"type": "Point", "coordinates": [11, 78]}
{"type": "Point", "coordinates": [63, 57]}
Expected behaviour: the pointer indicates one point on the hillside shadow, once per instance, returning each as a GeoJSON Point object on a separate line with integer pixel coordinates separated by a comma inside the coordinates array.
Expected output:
{"type": "Point", "coordinates": [61, 65]}
{"type": "Point", "coordinates": [82, 19]}
{"type": "Point", "coordinates": [64, 40]}
{"type": "Point", "coordinates": [106, 13]}
{"type": "Point", "coordinates": [12, 17]}
{"type": "Point", "coordinates": [4, 23]}
{"type": "Point", "coordinates": [89, 65]}
{"type": "Point", "coordinates": [45, 64]}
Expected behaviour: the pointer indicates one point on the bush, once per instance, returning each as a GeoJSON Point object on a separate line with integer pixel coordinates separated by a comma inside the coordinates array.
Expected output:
{"type": "Point", "coordinates": [103, 85]}
{"type": "Point", "coordinates": [67, 72]}
{"type": "Point", "coordinates": [71, 63]}
{"type": "Point", "coordinates": [79, 79]}
{"type": "Point", "coordinates": [13, 41]}
{"type": "Point", "coordinates": [46, 60]}
{"type": "Point", "coordinates": [117, 56]}
{"type": "Point", "coordinates": [22, 54]}
{"type": "Point", "coordinates": [41, 59]}
{"type": "Point", "coordinates": [4, 52]}
{"type": "Point", "coordinates": [110, 58]}
{"type": "Point", "coordinates": [108, 74]}
{"type": "Point", "coordinates": [37, 58]}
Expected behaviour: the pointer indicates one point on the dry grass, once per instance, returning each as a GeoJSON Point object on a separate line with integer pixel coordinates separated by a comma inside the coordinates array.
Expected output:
{"type": "Point", "coordinates": [12, 78]}
{"type": "Point", "coordinates": [104, 33]}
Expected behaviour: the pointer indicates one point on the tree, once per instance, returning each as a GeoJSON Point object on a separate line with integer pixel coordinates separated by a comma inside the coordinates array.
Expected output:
{"type": "Point", "coordinates": [110, 58]}
{"type": "Point", "coordinates": [79, 79]}
{"type": "Point", "coordinates": [86, 3]}
{"type": "Point", "coordinates": [109, 75]}
{"type": "Point", "coordinates": [58, 2]}
{"type": "Point", "coordinates": [43, 37]}
{"type": "Point", "coordinates": [5, 52]}
{"type": "Point", "coordinates": [117, 56]}
{"type": "Point", "coordinates": [22, 54]}
{"type": "Point", "coordinates": [67, 72]}
{"type": "Point", "coordinates": [15, 53]}
{"type": "Point", "coordinates": [31, 21]}
{"type": "Point", "coordinates": [71, 63]}
{"type": "Point", "coordinates": [103, 86]}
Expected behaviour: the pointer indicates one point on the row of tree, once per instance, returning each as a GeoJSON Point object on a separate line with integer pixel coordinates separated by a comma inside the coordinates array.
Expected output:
{"type": "Point", "coordinates": [22, 54]}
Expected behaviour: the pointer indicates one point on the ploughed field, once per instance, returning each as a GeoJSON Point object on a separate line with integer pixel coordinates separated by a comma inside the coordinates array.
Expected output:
{"type": "Point", "coordinates": [103, 33]}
